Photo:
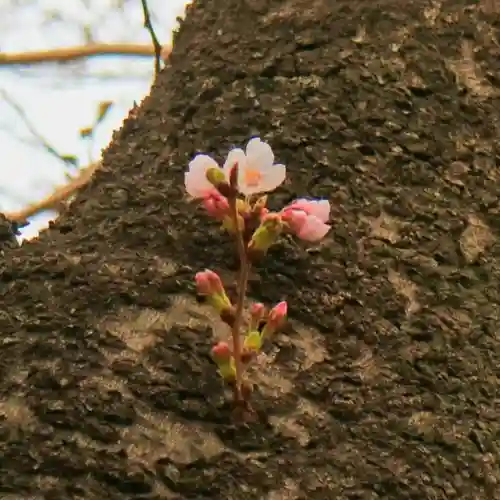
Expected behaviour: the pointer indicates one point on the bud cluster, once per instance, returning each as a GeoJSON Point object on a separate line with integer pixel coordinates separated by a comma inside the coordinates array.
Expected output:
{"type": "Point", "coordinates": [235, 196]}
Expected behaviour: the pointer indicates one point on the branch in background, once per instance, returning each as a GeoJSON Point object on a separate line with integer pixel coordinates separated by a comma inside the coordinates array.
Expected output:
{"type": "Point", "coordinates": [57, 197]}
{"type": "Point", "coordinates": [33, 131]}
{"type": "Point", "coordinates": [149, 26]}
{"type": "Point", "coordinates": [66, 54]}
{"type": "Point", "coordinates": [61, 193]}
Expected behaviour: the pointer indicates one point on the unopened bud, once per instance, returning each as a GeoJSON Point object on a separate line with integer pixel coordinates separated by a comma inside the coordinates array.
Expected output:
{"type": "Point", "coordinates": [208, 283]}
{"type": "Point", "coordinates": [294, 219]}
{"type": "Point", "coordinates": [221, 352]}
{"type": "Point", "coordinates": [257, 313]}
{"type": "Point", "coordinates": [216, 205]}
{"type": "Point", "coordinates": [223, 358]}
{"type": "Point", "coordinates": [276, 319]}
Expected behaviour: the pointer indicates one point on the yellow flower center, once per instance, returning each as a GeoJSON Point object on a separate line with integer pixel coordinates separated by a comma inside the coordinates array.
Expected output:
{"type": "Point", "coordinates": [252, 177]}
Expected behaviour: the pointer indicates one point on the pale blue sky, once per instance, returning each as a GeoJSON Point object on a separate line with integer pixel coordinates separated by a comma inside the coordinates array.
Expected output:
{"type": "Point", "coordinates": [59, 100]}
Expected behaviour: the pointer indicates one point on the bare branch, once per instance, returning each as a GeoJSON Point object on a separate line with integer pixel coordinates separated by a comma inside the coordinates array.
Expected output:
{"type": "Point", "coordinates": [57, 197]}
{"type": "Point", "coordinates": [66, 54]}
{"type": "Point", "coordinates": [33, 131]}
{"type": "Point", "coordinates": [149, 26]}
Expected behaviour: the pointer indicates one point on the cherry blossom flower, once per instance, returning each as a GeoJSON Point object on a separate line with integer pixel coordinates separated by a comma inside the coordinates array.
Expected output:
{"type": "Point", "coordinates": [257, 172]}
{"type": "Point", "coordinates": [307, 218]}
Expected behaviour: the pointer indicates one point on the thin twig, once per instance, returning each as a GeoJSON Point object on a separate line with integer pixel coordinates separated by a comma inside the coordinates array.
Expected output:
{"type": "Point", "coordinates": [31, 128]}
{"type": "Point", "coordinates": [59, 195]}
{"type": "Point", "coordinates": [66, 54]}
{"type": "Point", "coordinates": [149, 26]}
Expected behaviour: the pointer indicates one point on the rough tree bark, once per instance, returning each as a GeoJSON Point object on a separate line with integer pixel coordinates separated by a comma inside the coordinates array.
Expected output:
{"type": "Point", "coordinates": [386, 383]}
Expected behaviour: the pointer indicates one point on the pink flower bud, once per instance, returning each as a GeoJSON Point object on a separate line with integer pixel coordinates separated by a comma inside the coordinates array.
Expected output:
{"type": "Point", "coordinates": [278, 313]}
{"type": "Point", "coordinates": [257, 313]}
{"type": "Point", "coordinates": [209, 283]}
{"type": "Point", "coordinates": [257, 310]}
{"type": "Point", "coordinates": [216, 205]}
{"type": "Point", "coordinates": [221, 352]}
{"type": "Point", "coordinates": [260, 206]}
{"type": "Point", "coordinates": [276, 319]}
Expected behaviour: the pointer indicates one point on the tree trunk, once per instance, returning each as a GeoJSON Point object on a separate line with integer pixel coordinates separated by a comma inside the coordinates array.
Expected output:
{"type": "Point", "coordinates": [385, 383]}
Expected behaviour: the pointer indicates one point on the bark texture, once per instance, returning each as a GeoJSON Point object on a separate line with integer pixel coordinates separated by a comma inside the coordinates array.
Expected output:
{"type": "Point", "coordinates": [385, 385]}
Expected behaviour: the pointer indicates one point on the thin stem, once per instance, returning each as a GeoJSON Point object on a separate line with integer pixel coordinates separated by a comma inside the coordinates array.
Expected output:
{"type": "Point", "coordinates": [242, 289]}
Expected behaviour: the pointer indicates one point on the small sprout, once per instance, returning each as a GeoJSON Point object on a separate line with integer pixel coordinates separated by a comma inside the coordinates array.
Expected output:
{"type": "Point", "coordinates": [249, 173]}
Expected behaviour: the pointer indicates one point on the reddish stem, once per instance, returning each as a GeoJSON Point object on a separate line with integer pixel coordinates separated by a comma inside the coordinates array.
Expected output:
{"type": "Point", "coordinates": [241, 294]}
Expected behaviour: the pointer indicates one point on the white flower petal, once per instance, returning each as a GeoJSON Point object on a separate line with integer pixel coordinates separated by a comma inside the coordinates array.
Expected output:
{"type": "Point", "coordinates": [234, 156]}
{"type": "Point", "coordinates": [247, 190]}
{"type": "Point", "coordinates": [195, 179]}
{"type": "Point", "coordinates": [260, 156]}
{"type": "Point", "coordinates": [272, 178]}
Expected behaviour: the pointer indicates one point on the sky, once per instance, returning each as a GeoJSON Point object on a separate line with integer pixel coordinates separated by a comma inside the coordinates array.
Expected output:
{"type": "Point", "coordinates": [60, 100]}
